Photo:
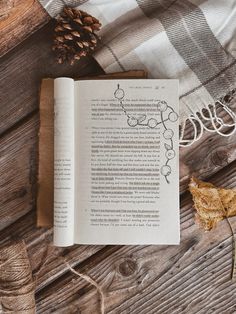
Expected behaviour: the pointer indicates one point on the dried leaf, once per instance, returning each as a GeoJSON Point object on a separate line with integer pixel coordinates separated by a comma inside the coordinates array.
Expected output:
{"type": "Point", "coordinates": [211, 203]}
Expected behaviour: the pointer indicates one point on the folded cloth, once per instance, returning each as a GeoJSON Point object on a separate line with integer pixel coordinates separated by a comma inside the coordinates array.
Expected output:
{"type": "Point", "coordinates": [191, 40]}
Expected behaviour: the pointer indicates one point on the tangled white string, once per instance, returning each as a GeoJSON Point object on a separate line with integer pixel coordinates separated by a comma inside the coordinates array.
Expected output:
{"type": "Point", "coordinates": [200, 121]}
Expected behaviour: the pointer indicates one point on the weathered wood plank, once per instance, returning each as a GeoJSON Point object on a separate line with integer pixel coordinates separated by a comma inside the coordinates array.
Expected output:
{"type": "Point", "coordinates": [194, 276]}
{"type": "Point", "coordinates": [21, 72]}
{"type": "Point", "coordinates": [134, 276]}
{"type": "Point", "coordinates": [18, 164]}
{"type": "Point", "coordinates": [131, 274]}
{"type": "Point", "coordinates": [45, 259]}
{"type": "Point", "coordinates": [206, 157]}
{"type": "Point", "coordinates": [17, 189]}
{"type": "Point", "coordinates": [19, 142]}
{"type": "Point", "coordinates": [18, 154]}
{"type": "Point", "coordinates": [19, 19]}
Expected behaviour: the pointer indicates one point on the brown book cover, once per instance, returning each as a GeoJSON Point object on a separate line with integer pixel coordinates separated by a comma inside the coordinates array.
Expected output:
{"type": "Point", "coordinates": [46, 144]}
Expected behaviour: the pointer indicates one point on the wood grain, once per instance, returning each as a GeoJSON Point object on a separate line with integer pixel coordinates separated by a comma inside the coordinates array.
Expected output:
{"type": "Point", "coordinates": [18, 163]}
{"type": "Point", "coordinates": [18, 20]}
{"type": "Point", "coordinates": [18, 151]}
{"type": "Point", "coordinates": [21, 72]}
{"type": "Point", "coordinates": [46, 260]}
{"type": "Point", "coordinates": [39, 239]}
{"type": "Point", "coordinates": [191, 278]}
{"type": "Point", "coordinates": [20, 141]}
{"type": "Point", "coordinates": [55, 275]}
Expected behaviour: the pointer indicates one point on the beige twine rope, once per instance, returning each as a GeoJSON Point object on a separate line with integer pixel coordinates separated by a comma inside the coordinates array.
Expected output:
{"type": "Point", "coordinates": [93, 283]}
{"type": "Point", "coordinates": [87, 278]}
{"type": "Point", "coordinates": [17, 287]}
{"type": "Point", "coordinates": [16, 282]}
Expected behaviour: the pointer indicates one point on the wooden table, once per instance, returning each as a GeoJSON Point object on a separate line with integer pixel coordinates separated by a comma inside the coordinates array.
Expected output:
{"type": "Point", "coordinates": [191, 278]}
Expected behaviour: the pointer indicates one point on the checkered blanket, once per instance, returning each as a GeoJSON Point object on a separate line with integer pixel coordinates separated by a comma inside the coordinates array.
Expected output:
{"type": "Point", "coordinates": [191, 40]}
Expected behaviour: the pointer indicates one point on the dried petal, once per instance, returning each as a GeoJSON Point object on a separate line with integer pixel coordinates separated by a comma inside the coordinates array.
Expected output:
{"type": "Point", "coordinates": [60, 39]}
{"type": "Point", "coordinates": [59, 28]}
{"type": "Point", "coordinates": [85, 43]}
{"type": "Point", "coordinates": [88, 20]}
{"type": "Point", "coordinates": [96, 26]}
{"type": "Point", "coordinates": [60, 60]}
{"type": "Point", "coordinates": [72, 61]}
{"type": "Point", "coordinates": [76, 13]}
{"type": "Point", "coordinates": [68, 37]}
{"type": "Point", "coordinates": [69, 11]}
{"type": "Point", "coordinates": [67, 26]}
{"type": "Point", "coordinates": [77, 56]}
{"type": "Point", "coordinates": [95, 20]}
{"type": "Point", "coordinates": [94, 41]}
{"type": "Point", "coordinates": [61, 19]}
{"type": "Point", "coordinates": [78, 21]}
{"type": "Point", "coordinates": [76, 34]}
{"type": "Point", "coordinates": [79, 44]}
{"type": "Point", "coordinates": [83, 54]}
{"type": "Point", "coordinates": [88, 28]}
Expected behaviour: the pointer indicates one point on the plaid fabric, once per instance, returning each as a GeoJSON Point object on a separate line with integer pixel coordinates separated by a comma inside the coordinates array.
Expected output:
{"type": "Point", "coordinates": [191, 40]}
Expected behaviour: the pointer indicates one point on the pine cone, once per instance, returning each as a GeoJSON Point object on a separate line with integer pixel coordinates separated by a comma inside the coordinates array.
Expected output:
{"type": "Point", "coordinates": [75, 35]}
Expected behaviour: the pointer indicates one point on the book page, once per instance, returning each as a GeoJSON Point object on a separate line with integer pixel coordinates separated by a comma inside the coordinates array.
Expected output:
{"type": "Point", "coordinates": [64, 169]}
{"type": "Point", "coordinates": [127, 171]}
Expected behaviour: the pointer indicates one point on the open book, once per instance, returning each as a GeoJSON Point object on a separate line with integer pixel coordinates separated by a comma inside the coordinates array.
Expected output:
{"type": "Point", "coordinates": [116, 170]}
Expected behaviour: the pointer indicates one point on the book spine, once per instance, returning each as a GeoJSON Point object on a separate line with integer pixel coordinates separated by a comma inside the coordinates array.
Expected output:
{"type": "Point", "coordinates": [64, 162]}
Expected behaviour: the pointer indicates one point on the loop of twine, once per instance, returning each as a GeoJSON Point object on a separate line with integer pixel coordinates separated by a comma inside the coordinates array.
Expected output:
{"type": "Point", "coordinates": [20, 270]}
{"type": "Point", "coordinates": [87, 278]}
{"type": "Point", "coordinates": [214, 119]}
{"type": "Point", "coordinates": [93, 283]}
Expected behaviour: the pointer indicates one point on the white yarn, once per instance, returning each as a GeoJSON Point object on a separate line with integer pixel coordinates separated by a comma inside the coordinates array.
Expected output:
{"type": "Point", "coordinates": [217, 124]}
